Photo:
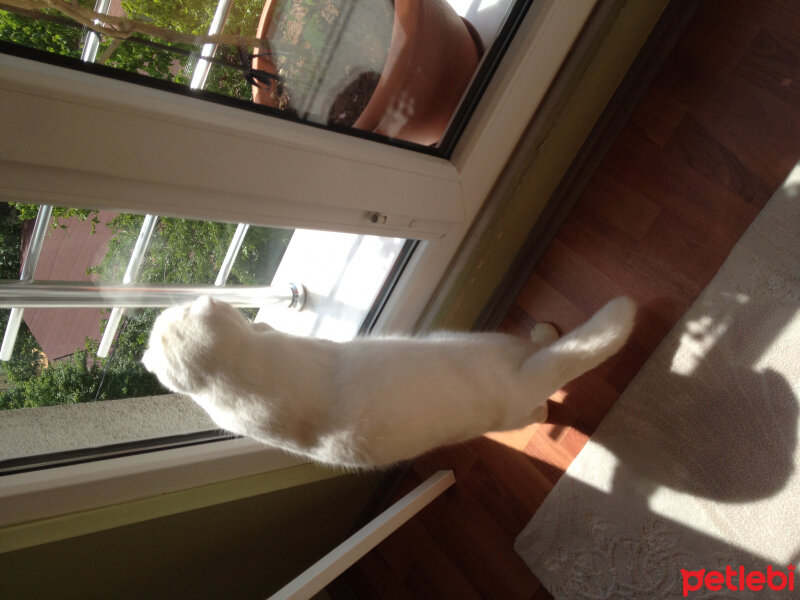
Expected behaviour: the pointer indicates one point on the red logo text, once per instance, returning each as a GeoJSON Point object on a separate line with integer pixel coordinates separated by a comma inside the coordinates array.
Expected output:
{"type": "Point", "coordinates": [737, 580]}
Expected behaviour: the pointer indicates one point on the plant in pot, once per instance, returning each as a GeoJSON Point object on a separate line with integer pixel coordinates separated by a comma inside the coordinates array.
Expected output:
{"type": "Point", "coordinates": [395, 68]}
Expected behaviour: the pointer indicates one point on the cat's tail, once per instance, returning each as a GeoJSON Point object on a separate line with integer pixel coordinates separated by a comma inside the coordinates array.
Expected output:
{"type": "Point", "coordinates": [582, 349]}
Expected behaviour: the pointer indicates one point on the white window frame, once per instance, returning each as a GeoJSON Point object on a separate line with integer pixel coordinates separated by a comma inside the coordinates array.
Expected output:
{"type": "Point", "coordinates": [95, 141]}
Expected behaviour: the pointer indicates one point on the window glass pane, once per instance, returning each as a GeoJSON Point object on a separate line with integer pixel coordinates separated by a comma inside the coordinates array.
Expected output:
{"type": "Point", "coordinates": [397, 68]}
{"type": "Point", "coordinates": [113, 399]}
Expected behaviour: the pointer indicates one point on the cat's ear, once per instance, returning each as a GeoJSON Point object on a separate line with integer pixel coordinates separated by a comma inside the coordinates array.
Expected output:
{"type": "Point", "coordinates": [202, 305]}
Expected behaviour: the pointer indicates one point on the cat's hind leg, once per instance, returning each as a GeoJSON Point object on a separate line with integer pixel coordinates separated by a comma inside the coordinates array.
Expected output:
{"type": "Point", "coordinates": [564, 359]}
{"type": "Point", "coordinates": [582, 349]}
{"type": "Point", "coordinates": [522, 410]}
{"type": "Point", "coordinates": [521, 413]}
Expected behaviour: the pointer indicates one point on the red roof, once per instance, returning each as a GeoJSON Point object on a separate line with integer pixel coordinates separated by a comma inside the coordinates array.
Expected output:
{"type": "Point", "coordinates": [66, 254]}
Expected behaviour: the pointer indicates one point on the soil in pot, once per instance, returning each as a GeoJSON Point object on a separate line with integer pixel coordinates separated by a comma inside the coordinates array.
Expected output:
{"type": "Point", "coordinates": [351, 102]}
{"type": "Point", "coordinates": [329, 54]}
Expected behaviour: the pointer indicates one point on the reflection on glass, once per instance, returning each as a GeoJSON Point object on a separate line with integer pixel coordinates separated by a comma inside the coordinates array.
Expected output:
{"type": "Point", "coordinates": [398, 68]}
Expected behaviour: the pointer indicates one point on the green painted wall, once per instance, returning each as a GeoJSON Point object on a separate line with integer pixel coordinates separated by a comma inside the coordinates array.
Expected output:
{"type": "Point", "coordinates": [243, 549]}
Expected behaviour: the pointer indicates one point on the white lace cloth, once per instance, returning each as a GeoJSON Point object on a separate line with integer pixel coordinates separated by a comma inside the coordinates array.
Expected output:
{"type": "Point", "coordinates": [695, 466]}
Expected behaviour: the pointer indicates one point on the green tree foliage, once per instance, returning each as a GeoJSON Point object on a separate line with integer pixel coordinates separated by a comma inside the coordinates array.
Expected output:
{"type": "Point", "coordinates": [23, 379]}
{"type": "Point", "coordinates": [186, 251]}
{"type": "Point", "coordinates": [24, 364]}
{"type": "Point", "coordinates": [182, 251]}
{"type": "Point", "coordinates": [82, 378]}
{"type": "Point", "coordinates": [193, 16]}
{"type": "Point", "coordinates": [10, 235]}
{"type": "Point", "coordinates": [28, 212]}
{"type": "Point", "coordinates": [242, 20]}
{"type": "Point", "coordinates": [139, 54]}
{"type": "Point", "coordinates": [58, 35]}
{"type": "Point", "coordinates": [49, 35]}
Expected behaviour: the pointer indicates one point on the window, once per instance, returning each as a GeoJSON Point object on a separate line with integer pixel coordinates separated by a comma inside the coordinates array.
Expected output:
{"type": "Point", "coordinates": [77, 139]}
{"type": "Point", "coordinates": [395, 70]}
{"type": "Point", "coordinates": [62, 346]}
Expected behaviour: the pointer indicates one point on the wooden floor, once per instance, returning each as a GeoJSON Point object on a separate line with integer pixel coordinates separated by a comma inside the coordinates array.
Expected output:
{"type": "Point", "coordinates": [714, 136]}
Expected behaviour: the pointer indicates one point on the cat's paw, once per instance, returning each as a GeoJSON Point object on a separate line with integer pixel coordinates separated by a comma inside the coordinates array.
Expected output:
{"type": "Point", "coordinates": [544, 334]}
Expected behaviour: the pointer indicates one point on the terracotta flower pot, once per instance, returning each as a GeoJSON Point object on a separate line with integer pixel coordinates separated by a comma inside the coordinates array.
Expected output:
{"type": "Point", "coordinates": [263, 95]}
{"type": "Point", "coordinates": [432, 58]}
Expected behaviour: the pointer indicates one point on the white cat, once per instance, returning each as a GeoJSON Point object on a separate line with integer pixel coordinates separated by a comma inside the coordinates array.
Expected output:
{"type": "Point", "coordinates": [370, 401]}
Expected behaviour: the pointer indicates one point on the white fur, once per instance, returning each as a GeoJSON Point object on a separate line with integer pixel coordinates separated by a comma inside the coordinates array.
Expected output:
{"type": "Point", "coordinates": [370, 401]}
